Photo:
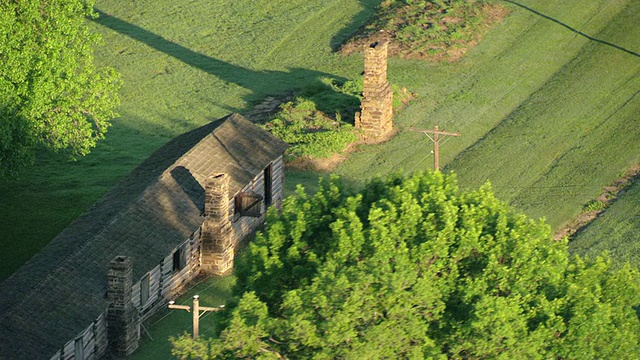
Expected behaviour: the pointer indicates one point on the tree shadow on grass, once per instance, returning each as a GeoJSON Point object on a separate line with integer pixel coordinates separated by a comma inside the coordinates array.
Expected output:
{"type": "Point", "coordinates": [359, 20]}
{"type": "Point", "coordinates": [258, 82]}
{"type": "Point", "coordinates": [630, 52]}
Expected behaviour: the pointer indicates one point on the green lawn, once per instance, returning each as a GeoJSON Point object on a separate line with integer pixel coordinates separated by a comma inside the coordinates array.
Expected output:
{"type": "Point", "coordinates": [547, 114]}
{"type": "Point", "coordinates": [615, 232]}
{"type": "Point", "coordinates": [155, 344]}
{"type": "Point", "coordinates": [546, 103]}
{"type": "Point", "coordinates": [547, 106]}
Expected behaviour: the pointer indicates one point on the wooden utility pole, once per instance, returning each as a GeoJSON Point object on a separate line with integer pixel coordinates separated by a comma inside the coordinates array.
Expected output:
{"type": "Point", "coordinates": [196, 310]}
{"type": "Point", "coordinates": [436, 142]}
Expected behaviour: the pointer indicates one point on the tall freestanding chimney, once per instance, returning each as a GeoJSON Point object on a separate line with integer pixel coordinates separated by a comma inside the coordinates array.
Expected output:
{"type": "Point", "coordinates": [376, 117]}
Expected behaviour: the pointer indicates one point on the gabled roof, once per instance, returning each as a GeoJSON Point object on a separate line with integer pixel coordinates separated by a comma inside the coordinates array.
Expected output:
{"type": "Point", "coordinates": [61, 290]}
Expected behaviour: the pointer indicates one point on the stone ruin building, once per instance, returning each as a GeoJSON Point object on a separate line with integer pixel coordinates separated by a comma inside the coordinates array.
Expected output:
{"type": "Point", "coordinates": [376, 116]}
{"type": "Point", "coordinates": [182, 212]}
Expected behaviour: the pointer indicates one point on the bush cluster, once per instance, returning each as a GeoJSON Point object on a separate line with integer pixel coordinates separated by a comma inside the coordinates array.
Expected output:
{"type": "Point", "coordinates": [314, 122]}
{"type": "Point", "coordinates": [436, 29]}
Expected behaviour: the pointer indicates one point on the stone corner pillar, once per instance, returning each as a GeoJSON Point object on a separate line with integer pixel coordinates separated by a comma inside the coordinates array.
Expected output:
{"type": "Point", "coordinates": [217, 232]}
{"type": "Point", "coordinates": [123, 322]}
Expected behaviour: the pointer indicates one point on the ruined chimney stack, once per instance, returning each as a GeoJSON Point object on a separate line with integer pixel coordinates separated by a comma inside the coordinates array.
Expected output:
{"type": "Point", "coordinates": [376, 116]}
{"type": "Point", "coordinates": [375, 67]}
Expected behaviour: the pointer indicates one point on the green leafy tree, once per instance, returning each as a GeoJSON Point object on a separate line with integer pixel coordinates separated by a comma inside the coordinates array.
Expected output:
{"type": "Point", "coordinates": [51, 94]}
{"type": "Point", "coordinates": [414, 268]}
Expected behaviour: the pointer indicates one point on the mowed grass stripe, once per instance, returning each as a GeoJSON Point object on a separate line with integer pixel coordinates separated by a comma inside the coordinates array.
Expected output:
{"type": "Point", "coordinates": [511, 64]}
{"type": "Point", "coordinates": [300, 44]}
{"type": "Point", "coordinates": [565, 142]}
{"type": "Point", "coordinates": [615, 232]}
{"type": "Point", "coordinates": [504, 76]}
{"type": "Point", "coordinates": [450, 95]}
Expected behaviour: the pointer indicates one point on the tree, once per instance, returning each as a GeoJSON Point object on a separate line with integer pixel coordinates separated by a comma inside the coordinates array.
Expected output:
{"type": "Point", "coordinates": [51, 94]}
{"type": "Point", "coordinates": [414, 268]}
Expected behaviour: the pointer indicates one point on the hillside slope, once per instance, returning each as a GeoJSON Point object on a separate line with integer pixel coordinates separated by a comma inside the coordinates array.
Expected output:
{"type": "Point", "coordinates": [615, 232]}
{"type": "Point", "coordinates": [544, 110]}
{"type": "Point", "coordinates": [183, 63]}
{"type": "Point", "coordinates": [547, 106]}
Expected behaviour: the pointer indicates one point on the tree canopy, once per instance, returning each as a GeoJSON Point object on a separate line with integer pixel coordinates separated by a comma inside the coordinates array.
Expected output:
{"type": "Point", "coordinates": [415, 268]}
{"type": "Point", "coordinates": [51, 94]}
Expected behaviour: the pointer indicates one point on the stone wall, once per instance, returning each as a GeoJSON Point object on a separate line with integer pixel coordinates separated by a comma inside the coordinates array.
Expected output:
{"type": "Point", "coordinates": [376, 116]}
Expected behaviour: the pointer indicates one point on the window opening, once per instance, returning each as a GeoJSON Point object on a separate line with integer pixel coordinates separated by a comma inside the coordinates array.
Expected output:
{"type": "Point", "coordinates": [179, 260]}
{"type": "Point", "coordinates": [247, 204]}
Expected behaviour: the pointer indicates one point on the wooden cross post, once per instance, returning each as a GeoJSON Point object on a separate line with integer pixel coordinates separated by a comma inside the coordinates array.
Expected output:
{"type": "Point", "coordinates": [436, 142]}
{"type": "Point", "coordinates": [197, 311]}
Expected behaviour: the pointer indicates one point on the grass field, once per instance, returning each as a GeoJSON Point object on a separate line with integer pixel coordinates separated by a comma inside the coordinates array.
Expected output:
{"type": "Point", "coordinates": [547, 106]}
{"type": "Point", "coordinates": [545, 103]}
{"type": "Point", "coordinates": [615, 232]}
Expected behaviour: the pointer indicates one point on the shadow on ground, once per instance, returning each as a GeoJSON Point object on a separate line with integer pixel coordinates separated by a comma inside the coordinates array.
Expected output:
{"type": "Point", "coordinates": [359, 20]}
{"type": "Point", "coordinates": [257, 81]}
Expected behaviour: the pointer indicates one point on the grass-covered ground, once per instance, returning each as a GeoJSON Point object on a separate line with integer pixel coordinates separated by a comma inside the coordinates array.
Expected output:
{"type": "Point", "coordinates": [429, 30]}
{"type": "Point", "coordinates": [546, 103]}
{"type": "Point", "coordinates": [615, 232]}
{"type": "Point", "coordinates": [168, 323]}
{"type": "Point", "coordinates": [547, 106]}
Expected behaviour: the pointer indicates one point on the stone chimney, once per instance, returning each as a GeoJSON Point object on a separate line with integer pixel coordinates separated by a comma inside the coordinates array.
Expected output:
{"type": "Point", "coordinates": [376, 116]}
{"type": "Point", "coordinates": [217, 231]}
{"type": "Point", "coordinates": [123, 323]}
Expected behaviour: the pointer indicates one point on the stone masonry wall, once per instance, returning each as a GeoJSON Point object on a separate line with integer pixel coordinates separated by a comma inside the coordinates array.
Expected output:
{"type": "Point", "coordinates": [376, 116]}
{"type": "Point", "coordinates": [217, 231]}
